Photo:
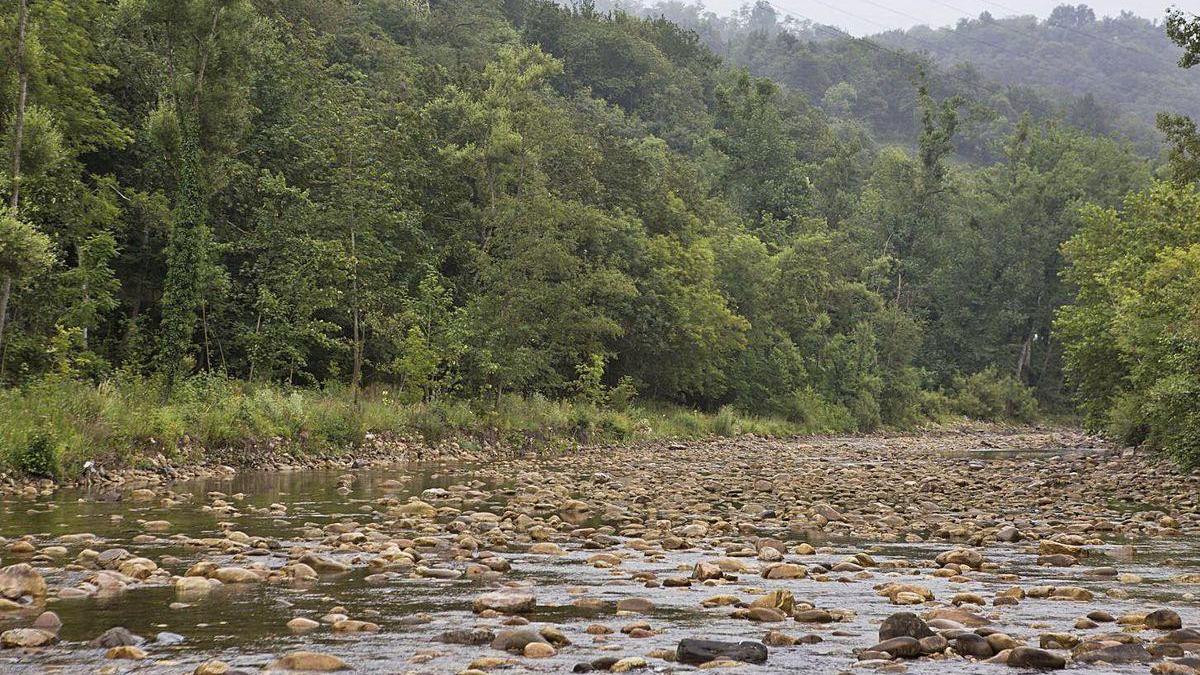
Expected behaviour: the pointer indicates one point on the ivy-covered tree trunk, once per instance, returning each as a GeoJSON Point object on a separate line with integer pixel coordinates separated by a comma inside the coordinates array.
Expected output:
{"type": "Point", "coordinates": [188, 257]}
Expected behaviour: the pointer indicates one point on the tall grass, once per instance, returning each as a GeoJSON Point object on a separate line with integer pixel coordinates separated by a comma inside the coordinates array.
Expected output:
{"type": "Point", "coordinates": [51, 427]}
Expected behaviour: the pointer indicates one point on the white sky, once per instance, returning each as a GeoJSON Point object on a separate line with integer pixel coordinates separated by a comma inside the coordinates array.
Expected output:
{"type": "Point", "coordinates": [862, 17]}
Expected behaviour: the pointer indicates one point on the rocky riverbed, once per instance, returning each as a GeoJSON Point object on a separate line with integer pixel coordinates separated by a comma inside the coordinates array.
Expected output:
{"type": "Point", "coordinates": [941, 552]}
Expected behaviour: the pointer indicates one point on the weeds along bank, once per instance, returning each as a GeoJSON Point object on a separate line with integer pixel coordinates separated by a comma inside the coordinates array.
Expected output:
{"type": "Point", "coordinates": [52, 427]}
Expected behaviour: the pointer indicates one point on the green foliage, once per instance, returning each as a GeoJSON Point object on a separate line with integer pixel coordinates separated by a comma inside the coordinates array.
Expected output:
{"type": "Point", "coordinates": [1133, 332]}
{"type": "Point", "coordinates": [38, 458]}
{"type": "Point", "coordinates": [24, 251]}
{"type": "Point", "coordinates": [988, 395]}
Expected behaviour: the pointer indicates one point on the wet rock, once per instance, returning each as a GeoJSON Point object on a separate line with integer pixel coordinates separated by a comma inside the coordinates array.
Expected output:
{"type": "Point", "coordinates": [899, 647]}
{"type": "Point", "coordinates": [116, 637]}
{"type": "Point", "coordinates": [26, 637]}
{"type": "Point", "coordinates": [765, 614]}
{"type": "Point", "coordinates": [301, 625]}
{"type": "Point", "coordinates": [168, 639]}
{"type": "Point", "coordinates": [934, 644]}
{"type": "Point", "coordinates": [815, 615]}
{"type": "Point", "coordinates": [784, 571]}
{"type": "Point", "coordinates": [1182, 636]}
{"type": "Point", "coordinates": [310, 662]}
{"type": "Point", "coordinates": [1031, 657]}
{"type": "Point", "coordinates": [704, 571]}
{"type": "Point", "coordinates": [1117, 654]}
{"type": "Point", "coordinates": [970, 644]}
{"type": "Point", "coordinates": [21, 580]}
{"type": "Point", "coordinates": [960, 556]}
{"type": "Point", "coordinates": [506, 602]}
{"type": "Point", "coordinates": [126, 652]}
{"type": "Point", "coordinates": [516, 640]}
{"type": "Point", "coordinates": [696, 652]}
{"type": "Point", "coordinates": [539, 650]}
{"type": "Point", "coordinates": [193, 586]}
{"type": "Point", "coordinates": [1008, 534]}
{"type": "Point", "coordinates": [467, 636]}
{"type": "Point", "coordinates": [628, 664]}
{"type": "Point", "coordinates": [1163, 619]}
{"type": "Point", "coordinates": [322, 564]}
{"type": "Point", "coordinates": [640, 605]}
{"type": "Point", "coordinates": [959, 616]}
{"type": "Point", "coordinates": [48, 621]}
{"type": "Point", "coordinates": [904, 624]}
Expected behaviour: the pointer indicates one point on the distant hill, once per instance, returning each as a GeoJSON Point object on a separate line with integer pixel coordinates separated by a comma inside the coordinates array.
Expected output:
{"type": "Point", "coordinates": [872, 82]}
{"type": "Point", "coordinates": [1124, 63]}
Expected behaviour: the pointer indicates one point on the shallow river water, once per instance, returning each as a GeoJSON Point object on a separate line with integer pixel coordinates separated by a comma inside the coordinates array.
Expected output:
{"type": "Point", "coordinates": [244, 624]}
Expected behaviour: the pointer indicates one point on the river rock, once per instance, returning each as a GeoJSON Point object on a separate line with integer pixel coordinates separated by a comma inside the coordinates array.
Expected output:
{"type": "Point", "coordinates": [903, 624]}
{"type": "Point", "coordinates": [126, 652]}
{"type": "Point", "coordinates": [516, 640]}
{"type": "Point", "coordinates": [116, 637]}
{"type": "Point", "coordinates": [697, 652]}
{"type": "Point", "coordinates": [899, 647]}
{"type": "Point", "coordinates": [26, 637]}
{"type": "Point", "coordinates": [1031, 657]}
{"type": "Point", "coordinates": [506, 602]}
{"type": "Point", "coordinates": [310, 662]}
{"type": "Point", "coordinates": [1163, 619]}
{"type": "Point", "coordinates": [21, 580]}
{"type": "Point", "coordinates": [1117, 654]}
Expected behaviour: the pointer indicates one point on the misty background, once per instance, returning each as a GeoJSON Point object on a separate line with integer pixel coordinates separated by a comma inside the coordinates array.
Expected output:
{"type": "Point", "coordinates": [864, 17]}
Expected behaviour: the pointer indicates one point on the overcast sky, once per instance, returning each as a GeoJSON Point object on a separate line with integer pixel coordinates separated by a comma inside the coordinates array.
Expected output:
{"type": "Point", "coordinates": [873, 16]}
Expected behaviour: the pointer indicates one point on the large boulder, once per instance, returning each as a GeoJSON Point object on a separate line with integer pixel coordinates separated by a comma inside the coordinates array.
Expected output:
{"type": "Point", "coordinates": [696, 652]}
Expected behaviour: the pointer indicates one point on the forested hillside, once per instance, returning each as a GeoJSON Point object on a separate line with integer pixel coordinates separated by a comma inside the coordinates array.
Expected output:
{"type": "Point", "coordinates": [475, 200]}
{"type": "Point", "coordinates": [868, 83]}
{"type": "Point", "coordinates": [1125, 63]}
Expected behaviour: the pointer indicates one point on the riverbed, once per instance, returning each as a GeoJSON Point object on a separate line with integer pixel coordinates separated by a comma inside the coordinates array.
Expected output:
{"type": "Point", "coordinates": [412, 547]}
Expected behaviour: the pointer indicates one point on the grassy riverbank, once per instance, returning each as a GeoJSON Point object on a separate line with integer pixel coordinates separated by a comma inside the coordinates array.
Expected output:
{"type": "Point", "coordinates": [52, 426]}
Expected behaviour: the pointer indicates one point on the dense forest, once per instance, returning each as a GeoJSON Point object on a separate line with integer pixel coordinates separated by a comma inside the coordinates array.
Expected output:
{"type": "Point", "coordinates": [478, 200]}
{"type": "Point", "coordinates": [1125, 64]}
{"type": "Point", "coordinates": [869, 82]}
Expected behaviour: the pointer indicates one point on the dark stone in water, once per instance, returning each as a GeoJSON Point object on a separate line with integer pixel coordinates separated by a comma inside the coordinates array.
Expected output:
{"type": "Point", "coordinates": [904, 624]}
{"type": "Point", "coordinates": [1164, 619]}
{"type": "Point", "coordinates": [1117, 654]}
{"type": "Point", "coordinates": [602, 663]}
{"type": "Point", "coordinates": [467, 636]}
{"type": "Point", "coordinates": [1030, 657]}
{"type": "Point", "coordinates": [696, 652]}
{"type": "Point", "coordinates": [899, 647]}
{"type": "Point", "coordinates": [970, 644]}
{"type": "Point", "coordinates": [116, 637]}
{"type": "Point", "coordinates": [515, 640]}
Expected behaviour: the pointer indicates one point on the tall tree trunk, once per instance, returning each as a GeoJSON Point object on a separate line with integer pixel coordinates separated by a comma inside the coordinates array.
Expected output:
{"type": "Point", "coordinates": [14, 201]}
{"type": "Point", "coordinates": [356, 374]}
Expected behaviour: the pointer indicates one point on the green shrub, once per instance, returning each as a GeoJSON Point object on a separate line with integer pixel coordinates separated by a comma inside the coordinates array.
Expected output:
{"type": "Point", "coordinates": [39, 457]}
{"type": "Point", "coordinates": [990, 396]}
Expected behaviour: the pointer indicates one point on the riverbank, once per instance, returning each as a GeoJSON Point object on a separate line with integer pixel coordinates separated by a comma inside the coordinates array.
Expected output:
{"type": "Point", "coordinates": [928, 552]}
{"type": "Point", "coordinates": [65, 430]}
